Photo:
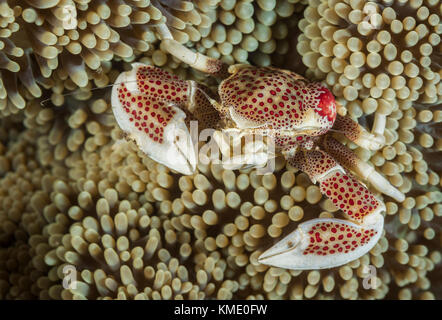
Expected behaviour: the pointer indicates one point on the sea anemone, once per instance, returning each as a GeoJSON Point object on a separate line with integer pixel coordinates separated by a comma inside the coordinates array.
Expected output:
{"type": "Point", "coordinates": [150, 233]}
{"type": "Point", "coordinates": [369, 49]}
{"type": "Point", "coordinates": [74, 193]}
{"type": "Point", "coordinates": [66, 44]}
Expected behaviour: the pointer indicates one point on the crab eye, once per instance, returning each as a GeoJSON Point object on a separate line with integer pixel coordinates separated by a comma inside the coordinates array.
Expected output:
{"type": "Point", "coordinates": [327, 105]}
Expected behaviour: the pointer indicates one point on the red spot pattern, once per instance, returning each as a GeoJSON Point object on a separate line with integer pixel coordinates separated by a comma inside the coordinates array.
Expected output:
{"type": "Point", "coordinates": [161, 88]}
{"type": "Point", "coordinates": [264, 95]}
{"type": "Point", "coordinates": [327, 105]}
{"type": "Point", "coordinates": [349, 195]}
{"type": "Point", "coordinates": [202, 109]}
{"type": "Point", "coordinates": [159, 85]}
{"type": "Point", "coordinates": [339, 152]}
{"type": "Point", "coordinates": [151, 111]}
{"type": "Point", "coordinates": [328, 238]}
{"type": "Point", "coordinates": [313, 163]}
{"type": "Point", "coordinates": [276, 98]}
{"type": "Point", "coordinates": [303, 141]}
{"type": "Point", "coordinates": [349, 127]}
{"type": "Point", "coordinates": [148, 117]}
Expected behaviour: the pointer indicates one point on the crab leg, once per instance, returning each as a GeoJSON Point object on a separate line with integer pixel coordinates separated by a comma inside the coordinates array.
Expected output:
{"type": "Point", "coordinates": [194, 59]}
{"type": "Point", "coordinates": [326, 243]}
{"type": "Point", "coordinates": [351, 161]}
{"type": "Point", "coordinates": [152, 107]}
{"type": "Point", "coordinates": [356, 133]}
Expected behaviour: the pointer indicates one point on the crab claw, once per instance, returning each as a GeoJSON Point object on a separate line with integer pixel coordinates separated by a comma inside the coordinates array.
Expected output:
{"type": "Point", "coordinates": [323, 243]}
{"type": "Point", "coordinates": [327, 243]}
{"type": "Point", "coordinates": [157, 127]}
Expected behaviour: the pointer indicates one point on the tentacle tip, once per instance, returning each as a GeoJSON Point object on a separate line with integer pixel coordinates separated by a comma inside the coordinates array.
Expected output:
{"type": "Point", "coordinates": [399, 196]}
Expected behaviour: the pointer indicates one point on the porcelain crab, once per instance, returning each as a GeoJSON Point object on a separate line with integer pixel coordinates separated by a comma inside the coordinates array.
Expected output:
{"type": "Point", "coordinates": [152, 106]}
